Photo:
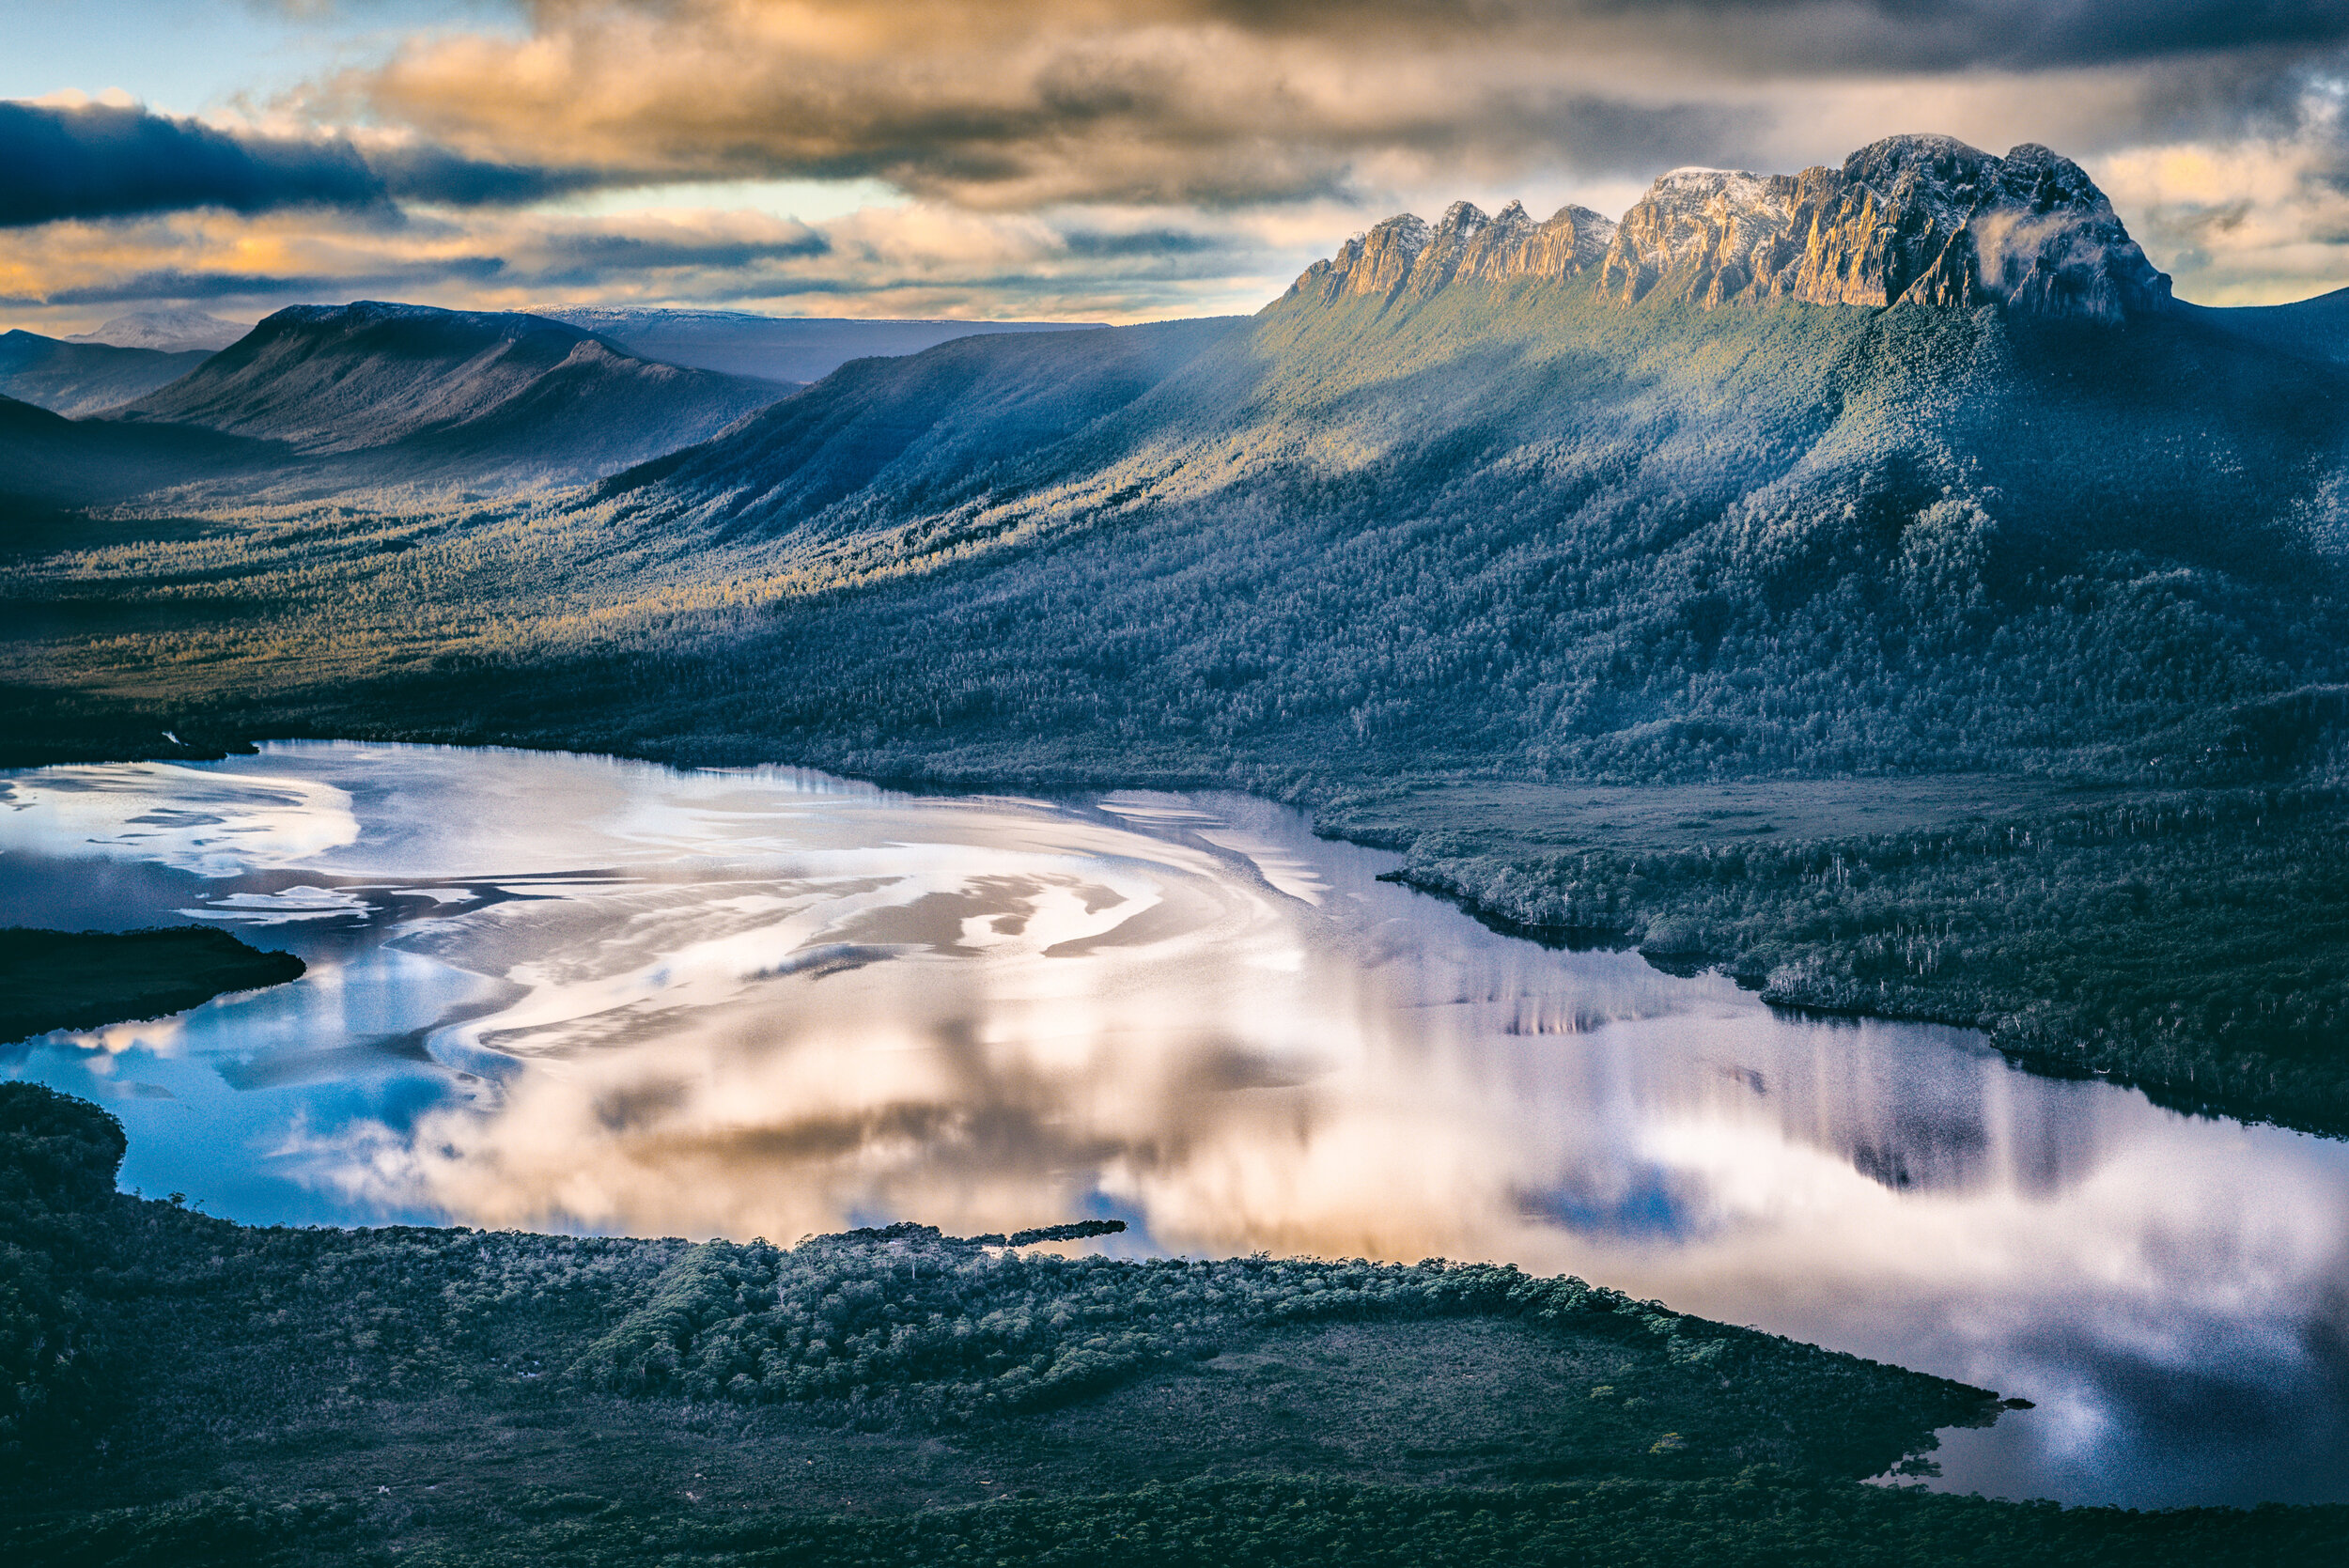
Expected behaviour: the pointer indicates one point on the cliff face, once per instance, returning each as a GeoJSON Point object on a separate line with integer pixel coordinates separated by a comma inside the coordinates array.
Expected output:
{"type": "Point", "coordinates": [1924, 219]}
{"type": "Point", "coordinates": [1402, 255]}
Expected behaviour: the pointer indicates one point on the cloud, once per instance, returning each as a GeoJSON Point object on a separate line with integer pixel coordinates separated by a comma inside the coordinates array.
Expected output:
{"type": "Point", "coordinates": [913, 261]}
{"type": "Point", "coordinates": [1149, 157]}
{"type": "Point", "coordinates": [421, 173]}
{"type": "Point", "coordinates": [1214, 102]}
{"type": "Point", "coordinates": [2249, 220]}
{"type": "Point", "coordinates": [1007, 108]}
{"type": "Point", "coordinates": [100, 160]}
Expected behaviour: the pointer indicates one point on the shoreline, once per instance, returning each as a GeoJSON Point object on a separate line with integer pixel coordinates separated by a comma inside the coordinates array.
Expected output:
{"type": "Point", "coordinates": [2305, 1106]}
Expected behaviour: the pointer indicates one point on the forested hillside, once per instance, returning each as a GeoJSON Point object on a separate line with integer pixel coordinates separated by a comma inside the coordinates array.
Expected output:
{"type": "Point", "coordinates": [49, 461]}
{"type": "Point", "coordinates": [1523, 524]}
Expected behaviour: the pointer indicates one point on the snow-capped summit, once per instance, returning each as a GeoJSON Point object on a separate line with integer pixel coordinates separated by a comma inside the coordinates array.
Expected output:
{"type": "Point", "coordinates": [171, 330]}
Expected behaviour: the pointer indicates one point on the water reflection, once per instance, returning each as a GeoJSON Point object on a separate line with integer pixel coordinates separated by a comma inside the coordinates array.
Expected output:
{"type": "Point", "coordinates": [571, 992]}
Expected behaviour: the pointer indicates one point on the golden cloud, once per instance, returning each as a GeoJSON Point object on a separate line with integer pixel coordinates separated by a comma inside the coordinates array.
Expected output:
{"type": "Point", "coordinates": [1006, 107]}
{"type": "Point", "coordinates": [1003, 106]}
{"type": "Point", "coordinates": [1157, 157]}
{"type": "Point", "coordinates": [911, 260]}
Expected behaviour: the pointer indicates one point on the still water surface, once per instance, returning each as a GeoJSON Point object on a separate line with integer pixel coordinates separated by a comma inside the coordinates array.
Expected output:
{"type": "Point", "coordinates": [565, 992]}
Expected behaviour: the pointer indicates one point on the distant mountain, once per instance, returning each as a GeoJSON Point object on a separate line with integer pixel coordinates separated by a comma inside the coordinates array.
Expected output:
{"type": "Point", "coordinates": [78, 379]}
{"type": "Point", "coordinates": [1912, 463]}
{"type": "Point", "coordinates": [467, 396]}
{"type": "Point", "coordinates": [54, 461]}
{"type": "Point", "coordinates": [790, 349]}
{"type": "Point", "coordinates": [170, 331]}
{"type": "Point", "coordinates": [923, 431]}
{"type": "Point", "coordinates": [2316, 329]}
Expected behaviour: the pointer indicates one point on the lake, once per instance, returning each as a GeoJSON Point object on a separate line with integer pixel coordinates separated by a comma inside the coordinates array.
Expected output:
{"type": "Point", "coordinates": [576, 993]}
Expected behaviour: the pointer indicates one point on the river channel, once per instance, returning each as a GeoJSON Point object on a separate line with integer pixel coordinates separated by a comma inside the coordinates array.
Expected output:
{"type": "Point", "coordinates": [575, 993]}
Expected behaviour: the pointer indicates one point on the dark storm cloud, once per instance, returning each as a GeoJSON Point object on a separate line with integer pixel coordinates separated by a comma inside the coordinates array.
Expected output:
{"type": "Point", "coordinates": [173, 283]}
{"type": "Point", "coordinates": [624, 253]}
{"type": "Point", "coordinates": [1952, 34]}
{"type": "Point", "coordinates": [1149, 242]}
{"type": "Point", "coordinates": [1869, 34]}
{"type": "Point", "coordinates": [433, 174]}
{"type": "Point", "coordinates": [102, 161]}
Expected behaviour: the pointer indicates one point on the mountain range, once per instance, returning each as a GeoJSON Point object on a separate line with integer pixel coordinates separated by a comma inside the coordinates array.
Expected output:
{"type": "Point", "coordinates": [791, 349]}
{"type": "Point", "coordinates": [325, 399]}
{"type": "Point", "coordinates": [76, 378]}
{"type": "Point", "coordinates": [1852, 468]}
{"type": "Point", "coordinates": [476, 395]}
{"type": "Point", "coordinates": [1912, 466]}
{"type": "Point", "coordinates": [1909, 462]}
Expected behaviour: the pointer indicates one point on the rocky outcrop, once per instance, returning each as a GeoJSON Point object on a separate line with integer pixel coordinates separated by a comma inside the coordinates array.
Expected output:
{"type": "Point", "coordinates": [1710, 233]}
{"type": "Point", "coordinates": [1404, 255]}
{"type": "Point", "coordinates": [1923, 220]}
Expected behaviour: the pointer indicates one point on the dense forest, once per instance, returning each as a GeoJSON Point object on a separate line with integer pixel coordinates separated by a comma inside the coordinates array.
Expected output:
{"type": "Point", "coordinates": [188, 1390]}
{"type": "Point", "coordinates": [2190, 941]}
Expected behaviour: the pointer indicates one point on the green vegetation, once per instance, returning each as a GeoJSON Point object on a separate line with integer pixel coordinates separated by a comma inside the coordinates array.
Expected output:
{"type": "Point", "coordinates": [186, 1390]}
{"type": "Point", "coordinates": [1757, 1520]}
{"type": "Point", "coordinates": [89, 979]}
{"type": "Point", "coordinates": [2192, 942]}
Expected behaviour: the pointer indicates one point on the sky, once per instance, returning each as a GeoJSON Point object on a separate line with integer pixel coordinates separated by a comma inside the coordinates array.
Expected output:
{"type": "Point", "coordinates": [1086, 159]}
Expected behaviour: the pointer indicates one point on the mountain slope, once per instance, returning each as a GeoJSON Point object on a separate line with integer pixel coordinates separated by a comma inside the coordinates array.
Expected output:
{"type": "Point", "coordinates": [80, 379]}
{"type": "Point", "coordinates": [54, 461]}
{"type": "Point", "coordinates": [887, 441]}
{"type": "Point", "coordinates": [1456, 496]}
{"type": "Point", "coordinates": [2316, 329]}
{"type": "Point", "coordinates": [470, 394]}
{"type": "Point", "coordinates": [792, 350]}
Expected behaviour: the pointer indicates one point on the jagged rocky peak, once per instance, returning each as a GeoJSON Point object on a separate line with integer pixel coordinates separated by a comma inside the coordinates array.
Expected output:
{"type": "Point", "coordinates": [1922, 219]}
{"type": "Point", "coordinates": [1925, 219]}
{"type": "Point", "coordinates": [1712, 230]}
{"type": "Point", "coordinates": [1405, 254]}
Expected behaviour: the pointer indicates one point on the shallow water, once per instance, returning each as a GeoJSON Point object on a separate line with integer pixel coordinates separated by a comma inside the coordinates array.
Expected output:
{"type": "Point", "coordinates": [576, 993]}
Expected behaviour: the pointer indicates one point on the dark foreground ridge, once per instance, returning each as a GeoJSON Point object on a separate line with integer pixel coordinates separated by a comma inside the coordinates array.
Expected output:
{"type": "Point", "coordinates": [191, 1391]}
